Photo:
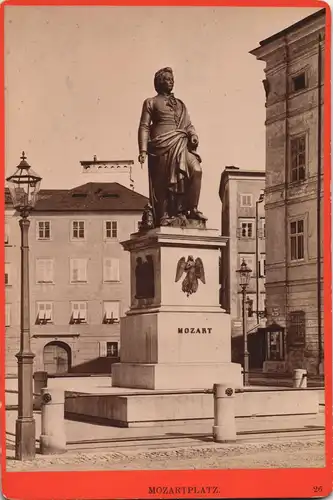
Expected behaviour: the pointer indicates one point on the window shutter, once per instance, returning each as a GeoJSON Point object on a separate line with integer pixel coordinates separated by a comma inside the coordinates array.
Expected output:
{"type": "Point", "coordinates": [111, 310]}
{"type": "Point", "coordinates": [48, 270]}
{"type": "Point", "coordinates": [40, 265]}
{"type": "Point", "coordinates": [82, 266]}
{"type": "Point", "coordinates": [83, 310]}
{"type": "Point", "coordinates": [7, 318]}
{"type": "Point", "coordinates": [48, 311]}
{"type": "Point", "coordinates": [74, 270]}
{"type": "Point", "coordinates": [102, 349]}
{"type": "Point", "coordinates": [75, 310]}
{"type": "Point", "coordinates": [78, 270]}
{"type": "Point", "coordinates": [6, 233]}
{"type": "Point", "coordinates": [7, 274]}
{"type": "Point", "coordinates": [111, 269]}
{"type": "Point", "coordinates": [41, 310]}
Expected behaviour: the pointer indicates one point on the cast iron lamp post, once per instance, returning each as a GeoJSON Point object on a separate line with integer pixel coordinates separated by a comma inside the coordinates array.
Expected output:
{"type": "Point", "coordinates": [244, 279]}
{"type": "Point", "coordinates": [24, 186]}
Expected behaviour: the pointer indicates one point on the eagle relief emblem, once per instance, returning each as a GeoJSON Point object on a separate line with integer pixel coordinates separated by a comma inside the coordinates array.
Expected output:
{"type": "Point", "coordinates": [194, 270]}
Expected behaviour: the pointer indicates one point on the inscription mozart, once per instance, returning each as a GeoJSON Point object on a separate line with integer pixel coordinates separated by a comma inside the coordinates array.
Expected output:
{"type": "Point", "coordinates": [195, 330]}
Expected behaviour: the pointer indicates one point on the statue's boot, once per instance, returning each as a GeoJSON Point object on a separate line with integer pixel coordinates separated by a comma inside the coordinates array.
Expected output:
{"type": "Point", "coordinates": [165, 220]}
{"type": "Point", "coordinates": [197, 215]}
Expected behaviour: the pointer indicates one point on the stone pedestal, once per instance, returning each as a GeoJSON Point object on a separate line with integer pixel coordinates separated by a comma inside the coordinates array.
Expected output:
{"type": "Point", "coordinates": [170, 338]}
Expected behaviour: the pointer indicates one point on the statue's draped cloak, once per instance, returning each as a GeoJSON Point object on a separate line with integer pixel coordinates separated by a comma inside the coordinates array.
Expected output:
{"type": "Point", "coordinates": [168, 152]}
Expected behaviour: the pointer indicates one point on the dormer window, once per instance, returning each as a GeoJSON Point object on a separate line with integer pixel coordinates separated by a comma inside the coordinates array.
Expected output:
{"type": "Point", "coordinates": [79, 195]}
{"type": "Point", "coordinates": [110, 195]}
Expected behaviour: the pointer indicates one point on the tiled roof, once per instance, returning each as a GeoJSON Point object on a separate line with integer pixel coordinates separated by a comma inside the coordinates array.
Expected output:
{"type": "Point", "coordinates": [93, 196]}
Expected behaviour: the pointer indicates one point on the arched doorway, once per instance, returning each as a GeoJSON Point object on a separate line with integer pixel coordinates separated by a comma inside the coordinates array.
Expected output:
{"type": "Point", "coordinates": [57, 357]}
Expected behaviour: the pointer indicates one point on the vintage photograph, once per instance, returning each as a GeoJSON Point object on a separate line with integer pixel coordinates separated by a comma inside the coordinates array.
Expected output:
{"type": "Point", "coordinates": [164, 238]}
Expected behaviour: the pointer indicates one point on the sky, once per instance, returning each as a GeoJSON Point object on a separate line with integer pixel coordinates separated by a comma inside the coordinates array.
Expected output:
{"type": "Point", "coordinates": [76, 78]}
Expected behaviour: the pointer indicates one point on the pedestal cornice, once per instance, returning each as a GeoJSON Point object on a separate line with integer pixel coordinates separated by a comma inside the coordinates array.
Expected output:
{"type": "Point", "coordinates": [169, 236]}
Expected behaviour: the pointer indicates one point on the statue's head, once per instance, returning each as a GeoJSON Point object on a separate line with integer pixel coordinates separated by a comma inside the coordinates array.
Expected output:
{"type": "Point", "coordinates": [164, 81]}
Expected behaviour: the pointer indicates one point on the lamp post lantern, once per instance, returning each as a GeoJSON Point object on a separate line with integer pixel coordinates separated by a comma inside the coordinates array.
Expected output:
{"type": "Point", "coordinates": [24, 186]}
{"type": "Point", "coordinates": [244, 278]}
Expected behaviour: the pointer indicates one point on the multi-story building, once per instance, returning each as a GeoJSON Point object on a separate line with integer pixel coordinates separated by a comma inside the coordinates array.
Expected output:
{"type": "Point", "coordinates": [243, 221]}
{"type": "Point", "coordinates": [293, 84]}
{"type": "Point", "coordinates": [79, 275]}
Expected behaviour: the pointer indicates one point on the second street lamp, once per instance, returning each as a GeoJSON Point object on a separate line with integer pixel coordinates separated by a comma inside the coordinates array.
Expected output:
{"type": "Point", "coordinates": [244, 279]}
{"type": "Point", "coordinates": [24, 186]}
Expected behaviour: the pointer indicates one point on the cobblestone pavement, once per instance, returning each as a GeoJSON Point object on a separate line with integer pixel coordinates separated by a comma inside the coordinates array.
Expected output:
{"type": "Point", "coordinates": [297, 453]}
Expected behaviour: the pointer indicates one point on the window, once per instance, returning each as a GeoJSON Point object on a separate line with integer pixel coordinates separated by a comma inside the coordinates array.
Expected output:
{"type": "Point", "coordinates": [7, 314]}
{"type": "Point", "coordinates": [296, 327]}
{"type": "Point", "coordinates": [7, 274]}
{"type": "Point", "coordinates": [246, 230]}
{"type": "Point", "coordinates": [262, 268]}
{"type": "Point", "coordinates": [79, 312]}
{"type": "Point", "coordinates": [111, 270]}
{"type": "Point", "coordinates": [249, 307]}
{"type": "Point", "coordinates": [297, 148]}
{"type": "Point", "coordinates": [275, 345]}
{"type": "Point", "coordinates": [78, 270]}
{"type": "Point", "coordinates": [298, 82]}
{"type": "Point", "coordinates": [297, 240]}
{"type": "Point", "coordinates": [263, 229]}
{"type": "Point", "coordinates": [111, 312]}
{"type": "Point", "coordinates": [78, 229]}
{"type": "Point", "coordinates": [108, 349]}
{"type": "Point", "coordinates": [246, 200]}
{"type": "Point", "coordinates": [44, 270]}
{"type": "Point", "coordinates": [43, 230]}
{"type": "Point", "coordinates": [6, 233]}
{"type": "Point", "coordinates": [249, 261]}
{"type": "Point", "coordinates": [112, 349]}
{"type": "Point", "coordinates": [44, 312]}
{"type": "Point", "coordinates": [111, 229]}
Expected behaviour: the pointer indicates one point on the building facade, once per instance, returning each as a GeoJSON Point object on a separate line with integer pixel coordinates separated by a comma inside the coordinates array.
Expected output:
{"type": "Point", "coordinates": [96, 170]}
{"type": "Point", "coordinates": [243, 221]}
{"type": "Point", "coordinates": [79, 276]}
{"type": "Point", "coordinates": [294, 78]}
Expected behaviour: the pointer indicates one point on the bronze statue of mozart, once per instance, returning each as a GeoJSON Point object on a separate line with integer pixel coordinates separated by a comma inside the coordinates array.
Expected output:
{"type": "Point", "coordinates": [167, 136]}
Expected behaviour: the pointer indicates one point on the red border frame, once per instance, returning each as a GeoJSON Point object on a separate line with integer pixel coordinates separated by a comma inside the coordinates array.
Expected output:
{"type": "Point", "coordinates": [273, 483]}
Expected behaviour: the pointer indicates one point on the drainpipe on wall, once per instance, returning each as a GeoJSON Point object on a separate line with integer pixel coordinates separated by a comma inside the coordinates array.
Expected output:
{"type": "Point", "coordinates": [319, 142]}
{"type": "Point", "coordinates": [286, 179]}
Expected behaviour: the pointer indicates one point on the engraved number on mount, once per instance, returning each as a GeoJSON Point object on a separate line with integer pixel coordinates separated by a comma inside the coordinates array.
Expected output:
{"type": "Point", "coordinates": [194, 270]}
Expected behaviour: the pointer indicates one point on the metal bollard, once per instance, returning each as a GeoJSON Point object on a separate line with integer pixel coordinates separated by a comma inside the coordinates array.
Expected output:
{"type": "Point", "coordinates": [53, 437]}
{"type": "Point", "coordinates": [300, 378]}
{"type": "Point", "coordinates": [40, 381]}
{"type": "Point", "coordinates": [224, 429]}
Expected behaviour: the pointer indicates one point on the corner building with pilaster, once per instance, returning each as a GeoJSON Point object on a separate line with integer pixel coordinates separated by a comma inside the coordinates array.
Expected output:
{"type": "Point", "coordinates": [294, 88]}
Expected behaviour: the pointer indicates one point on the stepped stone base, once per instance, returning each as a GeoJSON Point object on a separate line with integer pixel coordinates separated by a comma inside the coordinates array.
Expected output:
{"type": "Point", "coordinates": [157, 408]}
{"type": "Point", "coordinates": [175, 376]}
